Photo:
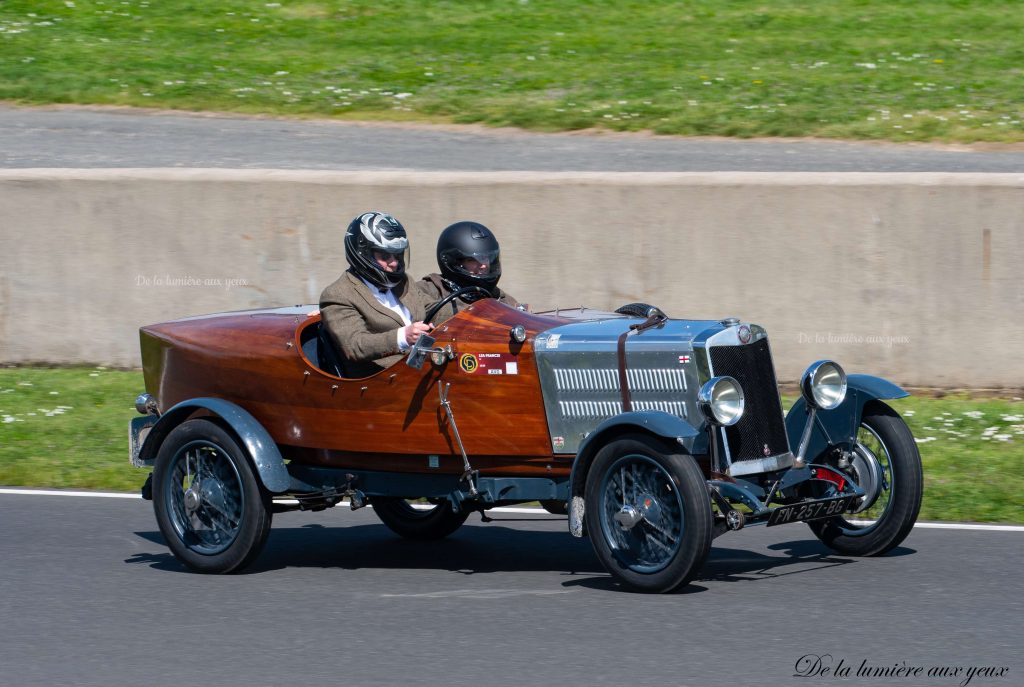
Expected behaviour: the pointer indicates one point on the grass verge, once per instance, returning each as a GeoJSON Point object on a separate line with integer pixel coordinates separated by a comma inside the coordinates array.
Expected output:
{"type": "Point", "coordinates": [897, 70]}
{"type": "Point", "coordinates": [67, 428]}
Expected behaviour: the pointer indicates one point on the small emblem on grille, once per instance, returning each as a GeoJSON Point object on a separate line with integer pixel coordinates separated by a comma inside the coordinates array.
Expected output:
{"type": "Point", "coordinates": [744, 334]}
{"type": "Point", "coordinates": [767, 451]}
{"type": "Point", "coordinates": [684, 359]}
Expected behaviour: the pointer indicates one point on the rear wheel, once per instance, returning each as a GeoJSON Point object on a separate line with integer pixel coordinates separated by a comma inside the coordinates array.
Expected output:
{"type": "Point", "coordinates": [887, 465]}
{"type": "Point", "coordinates": [209, 505]}
{"type": "Point", "coordinates": [418, 522]}
{"type": "Point", "coordinates": [648, 513]}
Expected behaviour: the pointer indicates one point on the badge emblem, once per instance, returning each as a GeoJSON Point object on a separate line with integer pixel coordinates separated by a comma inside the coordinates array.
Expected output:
{"type": "Point", "coordinates": [468, 362]}
{"type": "Point", "coordinates": [744, 334]}
{"type": "Point", "coordinates": [767, 451]}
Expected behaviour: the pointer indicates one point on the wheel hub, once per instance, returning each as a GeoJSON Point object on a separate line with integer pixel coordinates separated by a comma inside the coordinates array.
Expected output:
{"type": "Point", "coordinates": [627, 517]}
{"type": "Point", "coordinates": [193, 500]}
{"type": "Point", "coordinates": [647, 508]}
{"type": "Point", "coordinates": [868, 473]}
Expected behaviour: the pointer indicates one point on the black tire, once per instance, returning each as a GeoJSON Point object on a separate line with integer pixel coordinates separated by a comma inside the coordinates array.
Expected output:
{"type": "Point", "coordinates": [209, 504]}
{"type": "Point", "coordinates": [886, 437]}
{"type": "Point", "coordinates": [667, 545]}
{"type": "Point", "coordinates": [416, 523]}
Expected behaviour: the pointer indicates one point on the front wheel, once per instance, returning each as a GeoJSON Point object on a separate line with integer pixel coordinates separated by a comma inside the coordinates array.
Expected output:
{"type": "Point", "coordinates": [411, 522]}
{"type": "Point", "coordinates": [209, 504]}
{"type": "Point", "coordinates": [887, 465]}
{"type": "Point", "coordinates": [648, 513]}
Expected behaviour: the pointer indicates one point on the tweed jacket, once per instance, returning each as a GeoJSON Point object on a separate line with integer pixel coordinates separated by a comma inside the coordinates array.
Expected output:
{"type": "Point", "coordinates": [363, 330]}
{"type": "Point", "coordinates": [435, 288]}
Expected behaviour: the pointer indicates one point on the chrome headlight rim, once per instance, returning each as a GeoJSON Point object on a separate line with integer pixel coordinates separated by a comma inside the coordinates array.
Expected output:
{"type": "Point", "coordinates": [721, 400]}
{"type": "Point", "coordinates": [824, 385]}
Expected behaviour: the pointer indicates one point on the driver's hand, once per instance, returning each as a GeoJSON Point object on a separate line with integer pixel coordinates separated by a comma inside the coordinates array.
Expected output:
{"type": "Point", "coordinates": [415, 330]}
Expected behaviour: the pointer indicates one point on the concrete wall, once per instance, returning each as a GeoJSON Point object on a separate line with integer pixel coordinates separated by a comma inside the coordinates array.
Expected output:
{"type": "Point", "coordinates": [916, 277]}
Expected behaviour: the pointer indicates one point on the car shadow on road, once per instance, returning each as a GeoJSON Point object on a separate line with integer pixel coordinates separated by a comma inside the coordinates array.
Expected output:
{"type": "Point", "coordinates": [495, 549]}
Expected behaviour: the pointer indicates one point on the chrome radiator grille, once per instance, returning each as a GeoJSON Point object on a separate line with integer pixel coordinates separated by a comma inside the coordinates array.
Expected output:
{"type": "Point", "coordinates": [595, 393]}
{"type": "Point", "coordinates": [639, 380]}
{"type": "Point", "coordinates": [761, 432]}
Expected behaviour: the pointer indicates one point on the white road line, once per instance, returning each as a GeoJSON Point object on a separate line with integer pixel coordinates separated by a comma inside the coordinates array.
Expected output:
{"type": "Point", "coordinates": [49, 492]}
{"type": "Point", "coordinates": [504, 509]}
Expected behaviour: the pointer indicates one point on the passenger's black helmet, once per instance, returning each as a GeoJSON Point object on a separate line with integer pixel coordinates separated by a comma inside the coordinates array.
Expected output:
{"type": "Point", "coordinates": [462, 241]}
{"type": "Point", "coordinates": [376, 231]}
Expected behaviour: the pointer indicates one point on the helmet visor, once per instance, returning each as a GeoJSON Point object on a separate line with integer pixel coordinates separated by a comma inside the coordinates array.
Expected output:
{"type": "Point", "coordinates": [394, 244]}
{"type": "Point", "coordinates": [477, 264]}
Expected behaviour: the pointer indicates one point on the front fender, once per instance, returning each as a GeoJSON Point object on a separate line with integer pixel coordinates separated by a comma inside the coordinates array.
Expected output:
{"type": "Point", "coordinates": [839, 425]}
{"type": "Point", "coordinates": [656, 422]}
{"type": "Point", "coordinates": [257, 441]}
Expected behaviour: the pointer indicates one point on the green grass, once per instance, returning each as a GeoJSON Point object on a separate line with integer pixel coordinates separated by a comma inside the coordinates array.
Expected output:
{"type": "Point", "coordinates": [67, 428]}
{"type": "Point", "coordinates": [902, 70]}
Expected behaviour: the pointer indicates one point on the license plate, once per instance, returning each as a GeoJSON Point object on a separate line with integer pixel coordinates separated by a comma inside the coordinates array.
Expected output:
{"type": "Point", "coordinates": [810, 510]}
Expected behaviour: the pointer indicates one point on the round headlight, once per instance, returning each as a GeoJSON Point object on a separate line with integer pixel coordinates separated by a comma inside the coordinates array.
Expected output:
{"type": "Point", "coordinates": [721, 400]}
{"type": "Point", "coordinates": [824, 385]}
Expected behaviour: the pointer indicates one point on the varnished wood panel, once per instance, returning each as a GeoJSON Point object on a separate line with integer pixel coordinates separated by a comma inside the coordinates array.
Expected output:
{"type": "Point", "coordinates": [256, 362]}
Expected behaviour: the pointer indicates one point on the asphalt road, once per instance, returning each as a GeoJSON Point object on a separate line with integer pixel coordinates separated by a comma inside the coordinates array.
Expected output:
{"type": "Point", "coordinates": [89, 595]}
{"type": "Point", "coordinates": [84, 138]}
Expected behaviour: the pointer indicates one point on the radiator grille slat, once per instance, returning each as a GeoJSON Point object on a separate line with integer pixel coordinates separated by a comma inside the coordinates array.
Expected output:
{"type": "Point", "coordinates": [650, 388]}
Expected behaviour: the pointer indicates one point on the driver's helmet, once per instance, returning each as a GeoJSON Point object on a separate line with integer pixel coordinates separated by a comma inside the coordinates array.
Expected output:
{"type": "Point", "coordinates": [468, 255]}
{"type": "Point", "coordinates": [376, 231]}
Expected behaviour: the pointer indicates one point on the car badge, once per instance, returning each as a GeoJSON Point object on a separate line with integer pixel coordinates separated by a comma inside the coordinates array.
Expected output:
{"type": "Point", "coordinates": [767, 451]}
{"type": "Point", "coordinates": [468, 363]}
{"type": "Point", "coordinates": [684, 359]}
{"type": "Point", "coordinates": [744, 334]}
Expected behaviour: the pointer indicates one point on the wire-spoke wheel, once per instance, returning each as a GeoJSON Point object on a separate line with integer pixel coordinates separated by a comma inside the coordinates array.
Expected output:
{"type": "Point", "coordinates": [887, 465]}
{"type": "Point", "coordinates": [208, 502]}
{"type": "Point", "coordinates": [649, 513]}
{"type": "Point", "coordinates": [429, 522]}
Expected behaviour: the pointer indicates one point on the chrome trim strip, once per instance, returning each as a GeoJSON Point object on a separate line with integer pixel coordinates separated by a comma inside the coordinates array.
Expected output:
{"type": "Point", "coordinates": [769, 464]}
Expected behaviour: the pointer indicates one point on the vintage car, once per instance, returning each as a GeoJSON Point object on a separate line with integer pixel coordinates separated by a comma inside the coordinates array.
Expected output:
{"type": "Point", "coordinates": [654, 435]}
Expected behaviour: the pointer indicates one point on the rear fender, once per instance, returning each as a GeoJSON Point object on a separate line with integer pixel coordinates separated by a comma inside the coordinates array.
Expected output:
{"type": "Point", "coordinates": [258, 444]}
{"type": "Point", "coordinates": [838, 426]}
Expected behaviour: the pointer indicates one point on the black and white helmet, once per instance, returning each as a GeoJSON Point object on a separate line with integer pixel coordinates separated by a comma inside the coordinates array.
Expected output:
{"type": "Point", "coordinates": [376, 231]}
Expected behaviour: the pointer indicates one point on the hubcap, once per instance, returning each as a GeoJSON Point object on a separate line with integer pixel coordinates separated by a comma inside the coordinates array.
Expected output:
{"type": "Point", "coordinates": [869, 476]}
{"type": "Point", "coordinates": [628, 517]}
{"type": "Point", "coordinates": [192, 500]}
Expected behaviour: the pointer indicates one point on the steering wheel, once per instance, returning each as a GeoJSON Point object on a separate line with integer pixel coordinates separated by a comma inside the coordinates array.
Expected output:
{"type": "Point", "coordinates": [434, 309]}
